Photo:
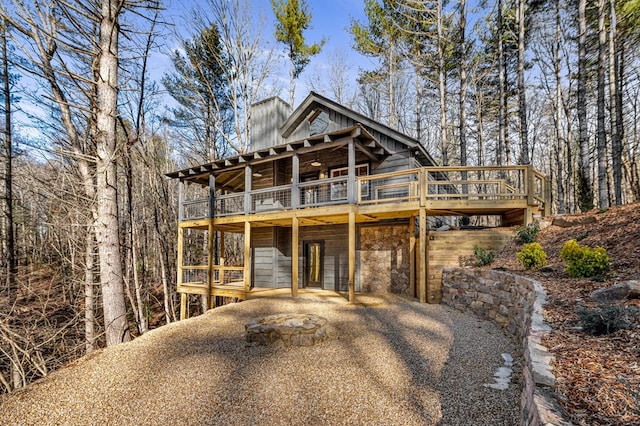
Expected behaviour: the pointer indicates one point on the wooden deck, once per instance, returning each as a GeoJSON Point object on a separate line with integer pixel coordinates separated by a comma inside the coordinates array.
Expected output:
{"type": "Point", "coordinates": [517, 194]}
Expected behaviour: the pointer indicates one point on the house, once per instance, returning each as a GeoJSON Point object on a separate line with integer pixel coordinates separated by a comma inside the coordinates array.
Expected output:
{"type": "Point", "coordinates": [330, 199]}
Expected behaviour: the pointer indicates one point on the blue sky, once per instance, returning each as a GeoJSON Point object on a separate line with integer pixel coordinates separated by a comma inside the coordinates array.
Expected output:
{"type": "Point", "coordinates": [330, 19]}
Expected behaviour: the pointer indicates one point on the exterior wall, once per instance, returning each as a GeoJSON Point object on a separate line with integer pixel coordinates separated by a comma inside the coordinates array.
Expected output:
{"type": "Point", "coordinates": [262, 257]}
{"type": "Point", "coordinates": [266, 118]}
{"type": "Point", "coordinates": [335, 272]}
{"type": "Point", "coordinates": [384, 259]}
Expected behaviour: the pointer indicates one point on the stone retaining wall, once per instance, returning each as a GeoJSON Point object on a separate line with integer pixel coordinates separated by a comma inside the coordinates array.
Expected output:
{"type": "Point", "coordinates": [515, 303]}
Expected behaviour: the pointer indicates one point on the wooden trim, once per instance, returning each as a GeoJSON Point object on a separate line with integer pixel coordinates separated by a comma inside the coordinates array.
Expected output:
{"type": "Point", "coordinates": [183, 306]}
{"type": "Point", "coordinates": [210, 264]}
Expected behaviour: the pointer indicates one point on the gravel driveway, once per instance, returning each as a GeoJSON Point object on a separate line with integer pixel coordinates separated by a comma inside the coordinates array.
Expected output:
{"type": "Point", "coordinates": [392, 361]}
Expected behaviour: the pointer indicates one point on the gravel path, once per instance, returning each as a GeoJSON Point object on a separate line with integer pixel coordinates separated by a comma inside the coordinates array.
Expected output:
{"type": "Point", "coordinates": [389, 362]}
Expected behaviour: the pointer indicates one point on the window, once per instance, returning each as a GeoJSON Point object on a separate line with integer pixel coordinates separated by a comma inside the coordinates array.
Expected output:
{"type": "Point", "coordinates": [339, 190]}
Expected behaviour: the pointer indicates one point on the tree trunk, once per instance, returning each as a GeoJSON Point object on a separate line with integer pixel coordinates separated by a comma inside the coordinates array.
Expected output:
{"type": "Point", "coordinates": [585, 192]}
{"type": "Point", "coordinates": [603, 193]}
{"type": "Point", "coordinates": [502, 131]}
{"type": "Point", "coordinates": [89, 297]}
{"type": "Point", "coordinates": [8, 176]}
{"type": "Point", "coordinates": [442, 85]}
{"type": "Point", "coordinates": [557, 112]}
{"type": "Point", "coordinates": [107, 227]}
{"type": "Point", "coordinates": [522, 109]}
{"type": "Point", "coordinates": [616, 140]}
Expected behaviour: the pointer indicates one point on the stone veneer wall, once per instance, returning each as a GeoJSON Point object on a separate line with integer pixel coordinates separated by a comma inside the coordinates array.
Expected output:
{"type": "Point", "coordinates": [384, 259]}
{"type": "Point", "coordinates": [515, 303]}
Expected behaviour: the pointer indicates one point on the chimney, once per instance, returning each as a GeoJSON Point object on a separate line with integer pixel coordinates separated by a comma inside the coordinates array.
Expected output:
{"type": "Point", "coordinates": [266, 118]}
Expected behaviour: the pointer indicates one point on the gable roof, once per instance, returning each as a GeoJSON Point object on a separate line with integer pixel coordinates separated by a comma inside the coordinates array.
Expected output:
{"type": "Point", "coordinates": [314, 100]}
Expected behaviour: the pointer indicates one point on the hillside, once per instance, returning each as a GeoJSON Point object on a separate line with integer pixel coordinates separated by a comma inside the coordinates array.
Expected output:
{"type": "Point", "coordinates": [598, 377]}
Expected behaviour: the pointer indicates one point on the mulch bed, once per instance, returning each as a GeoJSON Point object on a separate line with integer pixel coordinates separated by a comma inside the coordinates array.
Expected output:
{"type": "Point", "coordinates": [597, 377]}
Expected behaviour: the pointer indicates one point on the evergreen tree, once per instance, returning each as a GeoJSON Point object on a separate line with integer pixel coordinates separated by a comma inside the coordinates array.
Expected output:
{"type": "Point", "coordinates": [293, 19]}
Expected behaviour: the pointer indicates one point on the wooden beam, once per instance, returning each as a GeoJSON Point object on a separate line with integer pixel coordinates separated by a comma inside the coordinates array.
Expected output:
{"type": "Point", "coordinates": [180, 200]}
{"type": "Point", "coordinates": [294, 256]}
{"type": "Point", "coordinates": [223, 256]}
{"type": "Point", "coordinates": [247, 255]}
{"type": "Point", "coordinates": [352, 256]}
{"type": "Point", "coordinates": [351, 176]}
{"type": "Point", "coordinates": [183, 306]}
{"type": "Point", "coordinates": [247, 188]}
{"type": "Point", "coordinates": [295, 189]}
{"type": "Point", "coordinates": [412, 256]}
{"type": "Point", "coordinates": [422, 273]}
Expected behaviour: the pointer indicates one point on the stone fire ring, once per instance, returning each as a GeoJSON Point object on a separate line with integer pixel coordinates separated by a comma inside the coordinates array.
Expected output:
{"type": "Point", "coordinates": [287, 330]}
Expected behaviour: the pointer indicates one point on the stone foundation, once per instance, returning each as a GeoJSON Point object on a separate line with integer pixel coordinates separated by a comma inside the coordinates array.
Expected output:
{"type": "Point", "coordinates": [515, 303]}
{"type": "Point", "coordinates": [287, 329]}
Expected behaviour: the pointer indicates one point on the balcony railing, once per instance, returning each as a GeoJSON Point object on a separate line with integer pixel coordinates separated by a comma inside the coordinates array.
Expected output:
{"type": "Point", "coordinates": [415, 185]}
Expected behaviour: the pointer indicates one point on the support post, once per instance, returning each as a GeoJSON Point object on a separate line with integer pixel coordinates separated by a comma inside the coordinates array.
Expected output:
{"type": "Point", "coordinates": [295, 258]}
{"type": "Point", "coordinates": [351, 178]}
{"type": "Point", "coordinates": [247, 256]}
{"type": "Point", "coordinates": [531, 188]}
{"type": "Point", "coordinates": [180, 201]}
{"type": "Point", "coordinates": [424, 187]}
{"type": "Point", "coordinates": [422, 274]}
{"type": "Point", "coordinates": [295, 172]}
{"type": "Point", "coordinates": [223, 256]}
{"type": "Point", "coordinates": [183, 297]}
{"type": "Point", "coordinates": [212, 195]}
{"type": "Point", "coordinates": [412, 256]}
{"type": "Point", "coordinates": [247, 189]}
{"type": "Point", "coordinates": [211, 263]}
{"type": "Point", "coordinates": [352, 256]}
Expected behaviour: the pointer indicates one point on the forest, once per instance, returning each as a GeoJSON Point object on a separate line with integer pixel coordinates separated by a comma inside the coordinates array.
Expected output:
{"type": "Point", "coordinates": [89, 220]}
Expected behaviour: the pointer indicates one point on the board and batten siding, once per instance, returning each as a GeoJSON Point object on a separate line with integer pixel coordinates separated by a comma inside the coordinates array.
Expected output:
{"type": "Point", "coordinates": [262, 258]}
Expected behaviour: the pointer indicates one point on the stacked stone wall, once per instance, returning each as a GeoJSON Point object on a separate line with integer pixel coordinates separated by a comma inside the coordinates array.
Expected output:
{"type": "Point", "coordinates": [384, 259]}
{"type": "Point", "coordinates": [515, 303]}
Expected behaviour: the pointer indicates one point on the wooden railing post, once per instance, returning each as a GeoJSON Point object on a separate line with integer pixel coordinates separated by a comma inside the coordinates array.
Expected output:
{"type": "Point", "coordinates": [423, 178]}
{"type": "Point", "coordinates": [212, 195]}
{"type": "Point", "coordinates": [180, 200]}
{"type": "Point", "coordinates": [530, 180]}
{"type": "Point", "coordinates": [247, 189]}
{"type": "Point", "coordinates": [211, 263]}
{"type": "Point", "coordinates": [351, 181]}
{"type": "Point", "coordinates": [295, 189]}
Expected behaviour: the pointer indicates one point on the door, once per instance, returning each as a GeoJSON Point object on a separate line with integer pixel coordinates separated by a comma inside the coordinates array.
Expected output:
{"type": "Point", "coordinates": [313, 251]}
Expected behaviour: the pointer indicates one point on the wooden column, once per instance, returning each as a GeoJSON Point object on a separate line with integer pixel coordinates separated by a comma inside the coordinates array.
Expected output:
{"type": "Point", "coordinates": [247, 189]}
{"type": "Point", "coordinates": [212, 195]}
{"type": "Point", "coordinates": [352, 256]}
{"type": "Point", "coordinates": [295, 259]}
{"type": "Point", "coordinates": [351, 179]}
{"type": "Point", "coordinates": [247, 255]}
{"type": "Point", "coordinates": [180, 201]}
{"type": "Point", "coordinates": [422, 273]}
{"type": "Point", "coordinates": [295, 172]}
{"type": "Point", "coordinates": [412, 256]}
{"type": "Point", "coordinates": [222, 257]}
{"type": "Point", "coordinates": [210, 262]}
{"type": "Point", "coordinates": [183, 296]}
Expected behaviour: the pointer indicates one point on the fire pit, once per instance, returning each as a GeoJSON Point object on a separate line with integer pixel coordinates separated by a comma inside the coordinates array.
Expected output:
{"type": "Point", "coordinates": [287, 329]}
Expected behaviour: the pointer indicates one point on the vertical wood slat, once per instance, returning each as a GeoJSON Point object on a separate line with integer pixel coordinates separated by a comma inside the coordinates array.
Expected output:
{"type": "Point", "coordinates": [295, 259]}
{"type": "Point", "coordinates": [247, 255]}
{"type": "Point", "coordinates": [352, 256]}
{"type": "Point", "coordinates": [422, 276]}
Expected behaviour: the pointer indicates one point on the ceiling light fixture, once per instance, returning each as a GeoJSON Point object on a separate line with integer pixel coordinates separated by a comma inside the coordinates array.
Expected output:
{"type": "Point", "coordinates": [257, 174]}
{"type": "Point", "coordinates": [316, 163]}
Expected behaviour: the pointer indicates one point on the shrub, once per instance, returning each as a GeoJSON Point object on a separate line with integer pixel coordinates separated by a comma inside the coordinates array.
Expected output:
{"type": "Point", "coordinates": [483, 257]}
{"type": "Point", "coordinates": [532, 256]}
{"type": "Point", "coordinates": [527, 234]}
{"type": "Point", "coordinates": [583, 261]}
{"type": "Point", "coordinates": [606, 319]}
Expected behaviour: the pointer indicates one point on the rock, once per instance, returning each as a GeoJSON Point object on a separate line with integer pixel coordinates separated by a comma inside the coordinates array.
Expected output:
{"type": "Point", "coordinates": [617, 292]}
{"type": "Point", "coordinates": [567, 223]}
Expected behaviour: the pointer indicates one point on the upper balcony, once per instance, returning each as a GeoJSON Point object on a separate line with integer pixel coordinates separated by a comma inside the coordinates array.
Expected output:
{"type": "Point", "coordinates": [441, 190]}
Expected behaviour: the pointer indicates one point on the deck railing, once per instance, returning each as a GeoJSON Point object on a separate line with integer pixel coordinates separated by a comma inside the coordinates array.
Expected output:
{"type": "Point", "coordinates": [196, 276]}
{"type": "Point", "coordinates": [416, 185]}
